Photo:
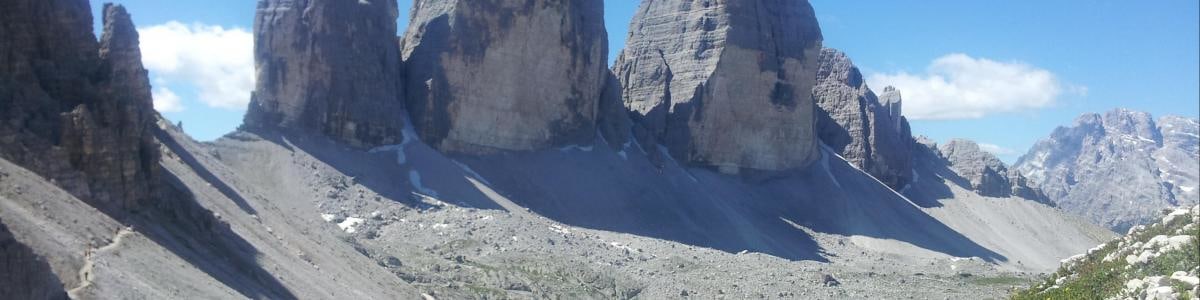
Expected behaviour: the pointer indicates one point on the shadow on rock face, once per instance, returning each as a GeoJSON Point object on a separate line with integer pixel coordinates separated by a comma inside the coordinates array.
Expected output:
{"type": "Point", "coordinates": [932, 179]}
{"type": "Point", "coordinates": [623, 191]}
{"type": "Point", "coordinates": [25, 275]}
{"type": "Point", "coordinates": [404, 173]}
{"type": "Point", "coordinates": [194, 234]}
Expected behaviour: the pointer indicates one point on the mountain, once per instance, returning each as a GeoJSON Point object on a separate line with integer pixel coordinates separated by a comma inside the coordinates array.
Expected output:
{"type": "Point", "coordinates": [724, 84]}
{"type": "Point", "coordinates": [1118, 169]}
{"type": "Point", "coordinates": [440, 167]}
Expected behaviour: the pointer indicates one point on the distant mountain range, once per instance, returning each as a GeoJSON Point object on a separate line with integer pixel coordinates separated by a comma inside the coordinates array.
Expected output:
{"type": "Point", "coordinates": [1120, 168]}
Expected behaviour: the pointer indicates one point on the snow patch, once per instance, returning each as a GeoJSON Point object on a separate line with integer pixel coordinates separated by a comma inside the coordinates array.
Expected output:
{"type": "Point", "coordinates": [559, 229]}
{"type": "Point", "coordinates": [414, 178]}
{"type": "Point", "coordinates": [471, 172]}
{"type": "Point", "coordinates": [407, 136]}
{"type": "Point", "coordinates": [350, 225]}
{"type": "Point", "coordinates": [624, 147]}
{"type": "Point", "coordinates": [328, 217]}
{"type": "Point", "coordinates": [825, 165]}
{"type": "Point", "coordinates": [621, 246]}
{"type": "Point", "coordinates": [401, 158]}
{"type": "Point", "coordinates": [576, 147]}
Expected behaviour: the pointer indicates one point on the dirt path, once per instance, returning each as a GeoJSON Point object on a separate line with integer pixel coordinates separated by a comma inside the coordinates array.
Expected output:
{"type": "Point", "coordinates": [85, 272]}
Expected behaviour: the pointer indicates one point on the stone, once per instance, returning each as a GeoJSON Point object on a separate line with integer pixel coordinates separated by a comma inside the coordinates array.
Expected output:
{"type": "Point", "coordinates": [828, 280]}
{"type": "Point", "coordinates": [868, 131]}
{"type": "Point", "coordinates": [724, 84]}
{"type": "Point", "coordinates": [506, 75]}
{"type": "Point", "coordinates": [1117, 169]}
{"type": "Point", "coordinates": [77, 110]}
{"type": "Point", "coordinates": [330, 67]}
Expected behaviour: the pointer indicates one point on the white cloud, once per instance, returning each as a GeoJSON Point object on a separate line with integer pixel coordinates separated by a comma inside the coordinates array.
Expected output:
{"type": "Point", "coordinates": [166, 100]}
{"type": "Point", "coordinates": [958, 86]}
{"type": "Point", "coordinates": [217, 62]}
{"type": "Point", "coordinates": [996, 149]}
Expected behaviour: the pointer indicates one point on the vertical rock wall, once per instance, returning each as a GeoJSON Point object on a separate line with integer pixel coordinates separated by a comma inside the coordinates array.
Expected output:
{"type": "Point", "coordinates": [483, 76]}
{"type": "Point", "coordinates": [330, 67]}
{"type": "Point", "coordinates": [725, 84]}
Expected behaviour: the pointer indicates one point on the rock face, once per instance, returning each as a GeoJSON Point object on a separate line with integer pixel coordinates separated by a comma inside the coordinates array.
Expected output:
{"type": "Point", "coordinates": [725, 84]}
{"type": "Point", "coordinates": [515, 75]}
{"type": "Point", "coordinates": [330, 67]}
{"type": "Point", "coordinates": [74, 110]}
{"type": "Point", "coordinates": [1118, 169]}
{"type": "Point", "coordinates": [869, 131]}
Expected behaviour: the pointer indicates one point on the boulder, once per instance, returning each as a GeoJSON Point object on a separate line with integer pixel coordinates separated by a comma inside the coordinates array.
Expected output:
{"type": "Point", "coordinates": [329, 67]}
{"type": "Point", "coordinates": [867, 130]}
{"type": "Point", "coordinates": [505, 75]}
{"type": "Point", "coordinates": [724, 84]}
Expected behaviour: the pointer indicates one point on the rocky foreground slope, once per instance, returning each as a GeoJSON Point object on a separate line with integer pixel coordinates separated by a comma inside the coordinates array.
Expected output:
{"type": "Point", "coordinates": [309, 200]}
{"type": "Point", "coordinates": [1155, 261]}
{"type": "Point", "coordinates": [1118, 169]}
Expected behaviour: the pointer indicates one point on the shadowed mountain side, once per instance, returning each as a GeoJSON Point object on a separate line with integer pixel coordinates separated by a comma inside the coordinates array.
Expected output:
{"type": "Point", "coordinates": [932, 178]}
{"type": "Point", "coordinates": [621, 191]}
{"type": "Point", "coordinates": [408, 177]}
{"type": "Point", "coordinates": [306, 260]}
{"type": "Point", "coordinates": [600, 188]}
{"type": "Point", "coordinates": [26, 275]}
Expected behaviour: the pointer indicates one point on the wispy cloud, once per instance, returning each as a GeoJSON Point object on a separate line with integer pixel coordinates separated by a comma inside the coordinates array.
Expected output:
{"type": "Point", "coordinates": [958, 86]}
{"type": "Point", "coordinates": [216, 62]}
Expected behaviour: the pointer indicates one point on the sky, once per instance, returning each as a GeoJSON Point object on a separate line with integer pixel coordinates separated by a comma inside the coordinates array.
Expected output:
{"type": "Point", "coordinates": [1002, 73]}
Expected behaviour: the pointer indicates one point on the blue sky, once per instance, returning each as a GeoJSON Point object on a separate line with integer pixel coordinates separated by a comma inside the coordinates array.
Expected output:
{"type": "Point", "coordinates": [1004, 73]}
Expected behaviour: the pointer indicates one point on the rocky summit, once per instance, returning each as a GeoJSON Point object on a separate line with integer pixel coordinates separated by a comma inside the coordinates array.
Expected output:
{"type": "Point", "coordinates": [867, 130]}
{"type": "Point", "coordinates": [74, 109]}
{"type": "Point", "coordinates": [962, 162]}
{"type": "Point", "coordinates": [330, 67]}
{"type": "Point", "coordinates": [724, 84]}
{"type": "Point", "coordinates": [514, 75]}
{"type": "Point", "coordinates": [1119, 168]}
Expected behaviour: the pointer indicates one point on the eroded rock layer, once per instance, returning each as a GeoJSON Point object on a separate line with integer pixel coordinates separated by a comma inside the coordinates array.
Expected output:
{"type": "Point", "coordinates": [725, 84]}
{"type": "Point", "coordinates": [330, 67]}
{"type": "Point", "coordinates": [515, 75]}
